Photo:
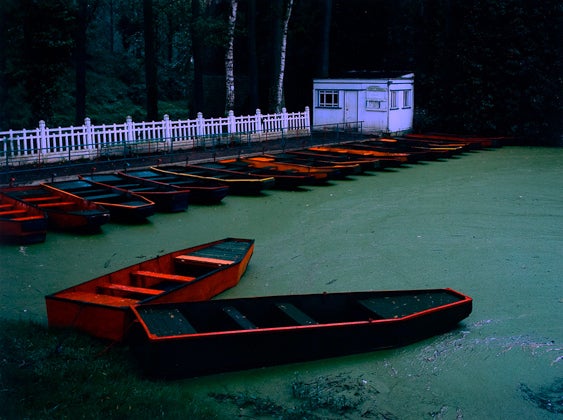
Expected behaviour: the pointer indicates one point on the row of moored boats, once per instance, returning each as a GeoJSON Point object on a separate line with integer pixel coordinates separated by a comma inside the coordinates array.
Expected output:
{"type": "Point", "coordinates": [91, 200]}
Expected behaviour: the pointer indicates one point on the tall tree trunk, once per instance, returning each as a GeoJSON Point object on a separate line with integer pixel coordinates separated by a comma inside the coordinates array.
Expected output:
{"type": "Point", "coordinates": [325, 40]}
{"type": "Point", "coordinates": [276, 7]}
{"type": "Point", "coordinates": [229, 59]}
{"type": "Point", "coordinates": [279, 86]}
{"type": "Point", "coordinates": [150, 61]}
{"type": "Point", "coordinates": [197, 54]}
{"type": "Point", "coordinates": [80, 61]}
{"type": "Point", "coordinates": [4, 110]}
{"type": "Point", "coordinates": [111, 28]}
{"type": "Point", "coordinates": [253, 100]}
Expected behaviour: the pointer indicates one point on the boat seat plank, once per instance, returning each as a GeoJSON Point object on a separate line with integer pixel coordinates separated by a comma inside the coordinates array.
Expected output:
{"type": "Point", "coordinates": [102, 196]}
{"type": "Point", "coordinates": [162, 276]}
{"type": "Point", "coordinates": [191, 259]}
{"type": "Point", "coordinates": [167, 322]}
{"type": "Point", "coordinates": [26, 218]}
{"type": "Point", "coordinates": [296, 314]}
{"type": "Point", "coordinates": [139, 189]}
{"type": "Point", "coordinates": [241, 320]}
{"type": "Point", "coordinates": [56, 204]}
{"type": "Point", "coordinates": [372, 306]}
{"type": "Point", "coordinates": [12, 212]}
{"type": "Point", "coordinates": [131, 289]}
{"type": "Point", "coordinates": [98, 299]}
{"type": "Point", "coordinates": [126, 186]}
{"type": "Point", "coordinates": [41, 198]}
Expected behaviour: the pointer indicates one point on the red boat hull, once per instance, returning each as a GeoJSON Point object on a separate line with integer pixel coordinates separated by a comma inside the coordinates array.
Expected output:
{"type": "Point", "coordinates": [20, 223]}
{"type": "Point", "coordinates": [101, 307]}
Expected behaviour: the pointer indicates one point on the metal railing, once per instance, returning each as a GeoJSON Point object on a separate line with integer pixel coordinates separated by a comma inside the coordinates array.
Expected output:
{"type": "Point", "coordinates": [45, 145]}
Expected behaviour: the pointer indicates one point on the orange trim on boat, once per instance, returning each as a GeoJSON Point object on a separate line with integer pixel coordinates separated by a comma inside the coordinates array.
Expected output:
{"type": "Point", "coordinates": [196, 259]}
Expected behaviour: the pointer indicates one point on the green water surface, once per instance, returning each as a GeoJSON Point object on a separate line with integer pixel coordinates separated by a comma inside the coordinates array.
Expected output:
{"type": "Point", "coordinates": [488, 223]}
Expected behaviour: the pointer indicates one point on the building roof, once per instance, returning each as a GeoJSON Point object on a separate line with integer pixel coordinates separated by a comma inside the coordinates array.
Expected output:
{"type": "Point", "coordinates": [374, 74]}
{"type": "Point", "coordinates": [363, 76]}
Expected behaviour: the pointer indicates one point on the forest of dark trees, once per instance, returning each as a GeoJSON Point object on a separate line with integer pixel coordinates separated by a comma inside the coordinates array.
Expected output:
{"type": "Point", "coordinates": [489, 67]}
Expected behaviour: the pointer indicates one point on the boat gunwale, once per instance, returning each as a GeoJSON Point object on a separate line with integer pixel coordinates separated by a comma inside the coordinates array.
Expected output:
{"type": "Point", "coordinates": [146, 202]}
{"type": "Point", "coordinates": [137, 266]}
{"type": "Point", "coordinates": [464, 300]}
{"type": "Point", "coordinates": [225, 180]}
{"type": "Point", "coordinates": [170, 190]}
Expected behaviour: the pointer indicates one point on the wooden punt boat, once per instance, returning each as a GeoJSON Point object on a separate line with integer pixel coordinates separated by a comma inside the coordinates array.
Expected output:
{"type": "Point", "coordinates": [320, 175]}
{"type": "Point", "coordinates": [287, 164]}
{"type": "Point", "coordinates": [123, 205]}
{"type": "Point", "coordinates": [287, 179]}
{"type": "Point", "coordinates": [475, 141]}
{"type": "Point", "coordinates": [386, 157]}
{"type": "Point", "coordinates": [380, 162]}
{"type": "Point", "coordinates": [343, 169]}
{"type": "Point", "coordinates": [242, 184]}
{"type": "Point", "coordinates": [201, 191]}
{"type": "Point", "coordinates": [64, 211]}
{"type": "Point", "coordinates": [421, 152]}
{"type": "Point", "coordinates": [101, 306]}
{"type": "Point", "coordinates": [365, 163]}
{"type": "Point", "coordinates": [453, 147]}
{"type": "Point", "coordinates": [21, 223]}
{"type": "Point", "coordinates": [386, 151]}
{"type": "Point", "coordinates": [165, 197]}
{"type": "Point", "coordinates": [198, 338]}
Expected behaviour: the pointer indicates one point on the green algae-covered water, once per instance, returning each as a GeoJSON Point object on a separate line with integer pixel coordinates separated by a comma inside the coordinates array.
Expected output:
{"type": "Point", "coordinates": [488, 223]}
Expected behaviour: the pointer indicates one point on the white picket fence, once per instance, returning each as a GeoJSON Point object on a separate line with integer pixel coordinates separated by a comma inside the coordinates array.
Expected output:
{"type": "Point", "coordinates": [51, 145]}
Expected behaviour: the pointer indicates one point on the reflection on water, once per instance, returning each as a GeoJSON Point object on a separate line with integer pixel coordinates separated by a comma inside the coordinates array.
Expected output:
{"type": "Point", "coordinates": [487, 224]}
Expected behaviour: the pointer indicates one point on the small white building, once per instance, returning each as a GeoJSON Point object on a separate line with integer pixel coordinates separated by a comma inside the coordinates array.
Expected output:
{"type": "Point", "coordinates": [381, 105]}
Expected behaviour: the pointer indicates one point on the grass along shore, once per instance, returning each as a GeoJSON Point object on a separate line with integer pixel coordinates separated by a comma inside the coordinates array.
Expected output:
{"type": "Point", "coordinates": [47, 373]}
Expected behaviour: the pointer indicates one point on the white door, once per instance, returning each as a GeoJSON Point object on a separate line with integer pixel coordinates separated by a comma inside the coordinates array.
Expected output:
{"type": "Point", "coordinates": [350, 106]}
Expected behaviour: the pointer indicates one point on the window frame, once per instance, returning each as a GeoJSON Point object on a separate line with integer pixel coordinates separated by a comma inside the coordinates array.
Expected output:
{"type": "Point", "coordinates": [375, 105]}
{"type": "Point", "coordinates": [324, 94]}
{"type": "Point", "coordinates": [393, 99]}
{"type": "Point", "coordinates": [407, 98]}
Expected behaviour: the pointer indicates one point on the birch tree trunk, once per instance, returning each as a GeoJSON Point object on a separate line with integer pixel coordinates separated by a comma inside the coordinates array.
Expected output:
{"type": "Point", "coordinates": [150, 61]}
{"type": "Point", "coordinates": [252, 57]}
{"type": "Point", "coordinates": [229, 59]}
{"type": "Point", "coordinates": [279, 87]}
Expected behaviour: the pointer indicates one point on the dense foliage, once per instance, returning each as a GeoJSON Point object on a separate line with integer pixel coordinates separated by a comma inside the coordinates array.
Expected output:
{"type": "Point", "coordinates": [481, 66]}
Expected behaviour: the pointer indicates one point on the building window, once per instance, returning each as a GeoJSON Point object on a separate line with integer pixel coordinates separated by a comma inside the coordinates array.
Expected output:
{"type": "Point", "coordinates": [393, 101]}
{"type": "Point", "coordinates": [374, 104]}
{"type": "Point", "coordinates": [407, 99]}
{"type": "Point", "coordinates": [376, 99]}
{"type": "Point", "coordinates": [328, 99]}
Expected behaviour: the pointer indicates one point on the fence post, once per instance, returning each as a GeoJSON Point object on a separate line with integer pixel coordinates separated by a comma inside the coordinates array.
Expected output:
{"type": "Point", "coordinates": [88, 134]}
{"type": "Point", "coordinates": [285, 122]}
{"type": "Point", "coordinates": [258, 127]}
{"type": "Point", "coordinates": [130, 134]}
{"type": "Point", "coordinates": [231, 123]}
{"type": "Point", "coordinates": [42, 138]}
{"type": "Point", "coordinates": [307, 119]}
{"type": "Point", "coordinates": [167, 129]}
{"type": "Point", "coordinates": [8, 143]}
{"type": "Point", "coordinates": [200, 127]}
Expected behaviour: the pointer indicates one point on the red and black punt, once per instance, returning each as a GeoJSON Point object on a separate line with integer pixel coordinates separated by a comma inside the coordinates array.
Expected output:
{"type": "Point", "coordinates": [101, 306]}
{"type": "Point", "coordinates": [198, 338]}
